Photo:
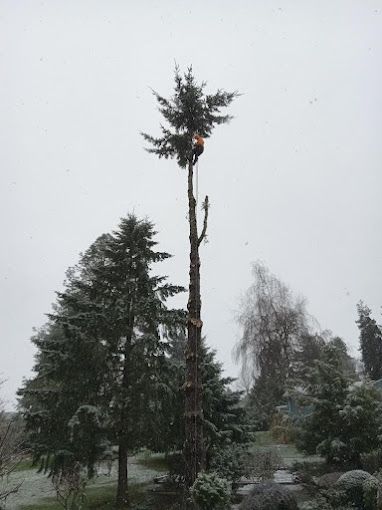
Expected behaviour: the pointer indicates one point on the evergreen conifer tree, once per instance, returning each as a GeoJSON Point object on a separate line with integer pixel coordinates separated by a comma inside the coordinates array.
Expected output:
{"type": "Point", "coordinates": [98, 370]}
{"type": "Point", "coordinates": [225, 420]}
{"type": "Point", "coordinates": [370, 342]}
{"type": "Point", "coordinates": [188, 112]}
{"type": "Point", "coordinates": [324, 394]}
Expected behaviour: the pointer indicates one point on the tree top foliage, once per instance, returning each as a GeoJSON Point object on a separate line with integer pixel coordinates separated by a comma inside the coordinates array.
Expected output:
{"type": "Point", "coordinates": [187, 112]}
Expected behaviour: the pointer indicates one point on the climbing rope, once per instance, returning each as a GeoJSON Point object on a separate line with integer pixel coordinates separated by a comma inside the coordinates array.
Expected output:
{"type": "Point", "coordinates": [197, 184]}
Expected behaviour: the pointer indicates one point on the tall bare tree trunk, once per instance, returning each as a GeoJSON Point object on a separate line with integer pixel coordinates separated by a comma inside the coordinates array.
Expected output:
{"type": "Point", "coordinates": [122, 489]}
{"type": "Point", "coordinates": [194, 445]}
{"type": "Point", "coordinates": [122, 500]}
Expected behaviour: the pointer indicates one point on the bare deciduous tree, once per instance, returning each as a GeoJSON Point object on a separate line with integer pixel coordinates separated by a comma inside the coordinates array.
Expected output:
{"type": "Point", "coordinates": [69, 485]}
{"type": "Point", "coordinates": [11, 453]}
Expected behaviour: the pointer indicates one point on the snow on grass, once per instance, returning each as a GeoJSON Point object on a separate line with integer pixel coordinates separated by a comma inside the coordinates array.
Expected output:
{"type": "Point", "coordinates": [37, 487]}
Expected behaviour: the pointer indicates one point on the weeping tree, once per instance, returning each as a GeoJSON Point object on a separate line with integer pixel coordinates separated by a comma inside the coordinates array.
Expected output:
{"type": "Point", "coordinates": [273, 322]}
{"type": "Point", "coordinates": [189, 111]}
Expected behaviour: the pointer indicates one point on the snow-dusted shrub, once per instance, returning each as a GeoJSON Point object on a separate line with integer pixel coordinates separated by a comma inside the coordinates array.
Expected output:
{"type": "Point", "coordinates": [334, 450]}
{"type": "Point", "coordinates": [322, 504]}
{"type": "Point", "coordinates": [210, 492]}
{"type": "Point", "coordinates": [232, 462]}
{"type": "Point", "coordinates": [269, 496]}
{"type": "Point", "coordinates": [370, 493]}
{"type": "Point", "coordinates": [352, 485]}
{"type": "Point", "coordinates": [316, 504]}
{"type": "Point", "coordinates": [328, 479]}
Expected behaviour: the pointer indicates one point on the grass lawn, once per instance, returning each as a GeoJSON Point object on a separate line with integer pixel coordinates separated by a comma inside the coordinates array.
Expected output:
{"type": "Point", "coordinates": [288, 452]}
{"type": "Point", "coordinates": [142, 469]}
{"type": "Point", "coordinates": [101, 493]}
{"type": "Point", "coordinates": [264, 438]}
{"type": "Point", "coordinates": [24, 465]}
{"type": "Point", "coordinates": [96, 498]}
{"type": "Point", "coordinates": [155, 461]}
{"type": "Point", "coordinates": [103, 498]}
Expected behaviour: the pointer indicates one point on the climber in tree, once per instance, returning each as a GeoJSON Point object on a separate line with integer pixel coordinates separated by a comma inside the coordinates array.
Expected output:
{"type": "Point", "coordinates": [198, 147]}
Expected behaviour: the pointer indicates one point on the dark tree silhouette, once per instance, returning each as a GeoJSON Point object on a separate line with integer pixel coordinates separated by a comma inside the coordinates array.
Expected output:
{"type": "Point", "coordinates": [370, 336]}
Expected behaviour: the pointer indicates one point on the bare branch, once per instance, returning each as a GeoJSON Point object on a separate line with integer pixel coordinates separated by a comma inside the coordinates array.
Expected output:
{"type": "Point", "coordinates": [11, 454]}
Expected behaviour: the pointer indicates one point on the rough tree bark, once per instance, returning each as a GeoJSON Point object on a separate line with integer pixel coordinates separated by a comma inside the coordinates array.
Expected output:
{"type": "Point", "coordinates": [194, 444]}
{"type": "Point", "coordinates": [122, 500]}
{"type": "Point", "coordinates": [122, 489]}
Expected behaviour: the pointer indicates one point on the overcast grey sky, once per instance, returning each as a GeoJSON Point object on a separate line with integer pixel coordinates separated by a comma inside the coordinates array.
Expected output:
{"type": "Point", "coordinates": [294, 180]}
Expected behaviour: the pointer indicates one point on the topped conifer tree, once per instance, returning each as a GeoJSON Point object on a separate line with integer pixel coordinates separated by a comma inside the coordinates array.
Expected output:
{"type": "Point", "coordinates": [189, 112]}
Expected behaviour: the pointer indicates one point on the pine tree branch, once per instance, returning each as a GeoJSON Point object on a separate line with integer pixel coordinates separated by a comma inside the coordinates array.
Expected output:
{"type": "Point", "coordinates": [205, 207]}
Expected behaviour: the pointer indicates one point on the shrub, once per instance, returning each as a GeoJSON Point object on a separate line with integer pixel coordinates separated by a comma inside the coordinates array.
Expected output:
{"type": "Point", "coordinates": [372, 461]}
{"type": "Point", "coordinates": [329, 500]}
{"type": "Point", "coordinates": [328, 479]}
{"type": "Point", "coordinates": [319, 503]}
{"type": "Point", "coordinates": [232, 462]}
{"type": "Point", "coordinates": [282, 429]}
{"type": "Point", "coordinates": [210, 492]}
{"type": "Point", "coordinates": [370, 493]}
{"type": "Point", "coordinates": [69, 484]}
{"type": "Point", "coordinates": [316, 468]}
{"type": "Point", "coordinates": [334, 450]}
{"type": "Point", "coordinates": [266, 462]}
{"type": "Point", "coordinates": [339, 498]}
{"type": "Point", "coordinates": [269, 496]}
{"type": "Point", "coordinates": [322, 504]}
{"type": "Point", "coordinates": [176, 467]}
{"type": "Point", "coordinates": [352, 485]}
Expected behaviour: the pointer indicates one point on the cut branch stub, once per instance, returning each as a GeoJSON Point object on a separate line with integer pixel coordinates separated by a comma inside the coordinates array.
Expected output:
{"type": "Point", "coordinates": [196, 322]}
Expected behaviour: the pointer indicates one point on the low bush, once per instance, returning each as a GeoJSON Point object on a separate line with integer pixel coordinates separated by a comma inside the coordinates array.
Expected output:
{"type": "Point", "coordinates": [269, 496]}
{"type": "Point", "coordinates": [329, 500]}
{"type": "Point", "coordinates": [323, 504]}
{"type": "Point", "coordinates": [176, 468]}
{"type": "Point", "coordinates": [319, 503]}
{"type": "Point", "coordinates": [232, 462]}
{"type": "Point", "coordinates": [328, 479]}
{"type": "Point", "coordinates": [351, 485]}
{"type": "Point", "coordinates": [372, 461]}
{"type": "Point", "coordinates": [210, 492]}
{"type": "Point", "coordinates": [266, 462]}
{"type": "Point", "coordinates": [317, 468]}
{"type": "Point", "coordinates": [282, 429]}
{"type": "Point", "coordinates": [371, 487]}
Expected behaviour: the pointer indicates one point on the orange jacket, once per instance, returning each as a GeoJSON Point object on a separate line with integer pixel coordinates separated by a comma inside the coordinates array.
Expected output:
{"type": "Point", "coordinates": [199, 140]}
